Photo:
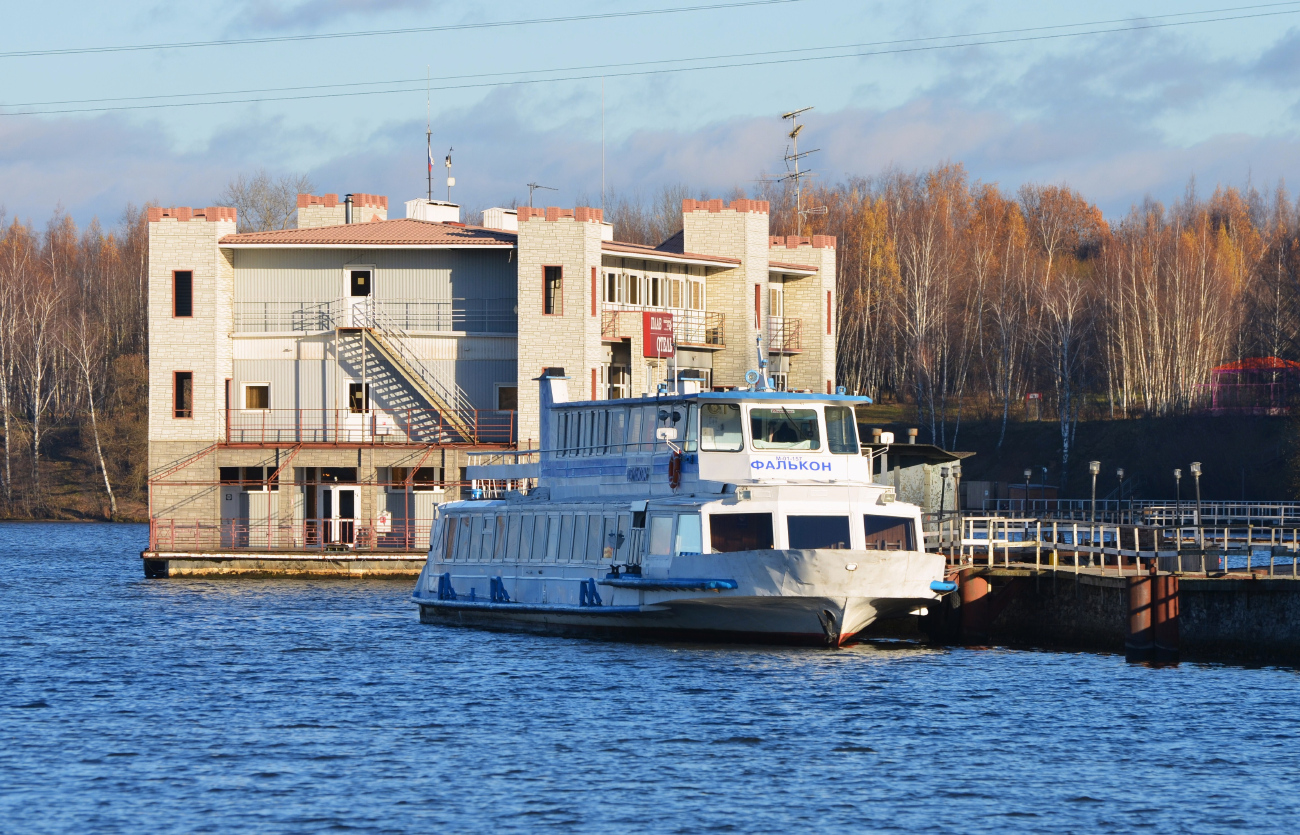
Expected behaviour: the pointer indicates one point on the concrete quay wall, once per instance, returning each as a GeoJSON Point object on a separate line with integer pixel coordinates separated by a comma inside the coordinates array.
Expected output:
{"type": "Point", "coordinates": [158, 565]}
{"type": "Point", "coordinates": [1229, 619]}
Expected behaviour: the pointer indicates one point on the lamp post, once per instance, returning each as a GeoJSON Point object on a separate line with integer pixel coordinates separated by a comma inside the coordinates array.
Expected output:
{"type": "Point", "coordinates": [943, 493]}
{"type": "Point", "coordinates": [956, 489]}
{"type": "Point", "coordinates": [1120, 474]}
{"type": "Point", "coordinates": [1178, 509]}
{"type": "Point", "coordinates": [1094, 467]}
{"type": "Point", "coordinates": [1042, 490]}
{"type": "Point", "coordinates": [1027, 474]}
{"type": "Point", "coordinates": [1200, 531]}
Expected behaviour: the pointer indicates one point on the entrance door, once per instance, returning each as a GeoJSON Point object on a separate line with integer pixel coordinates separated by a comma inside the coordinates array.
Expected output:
{"type": "Point", "coordinates": [338, 514]}
{"type": "Point", "coordinates": [359, 287]}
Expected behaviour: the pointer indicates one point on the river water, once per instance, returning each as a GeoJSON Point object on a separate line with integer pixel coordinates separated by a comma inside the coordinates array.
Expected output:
{"type": "Point", "coordinates": [133, 705]}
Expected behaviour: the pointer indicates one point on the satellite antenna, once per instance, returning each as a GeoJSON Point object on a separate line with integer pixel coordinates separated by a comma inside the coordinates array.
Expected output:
{"type": "Point", "coordinates": [792, 157]}
{"type": "Point", "coordinates": [534, 187]}
{"type": "Point", "coordinates": [451, 181]}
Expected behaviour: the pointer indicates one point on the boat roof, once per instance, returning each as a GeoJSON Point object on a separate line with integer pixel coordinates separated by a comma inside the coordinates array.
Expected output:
{"type": "Point", "coordinates": [739, 395]}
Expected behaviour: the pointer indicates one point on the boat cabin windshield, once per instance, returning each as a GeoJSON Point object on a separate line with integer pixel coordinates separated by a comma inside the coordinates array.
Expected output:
{"type": "Point", "coordinates": [783, 428]}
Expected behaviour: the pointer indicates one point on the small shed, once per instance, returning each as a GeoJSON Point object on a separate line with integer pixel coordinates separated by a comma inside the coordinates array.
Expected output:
{"type": "Point", "coordinates": [916, 473]}
{"type": "Point", "coordinates": [1254, 386]}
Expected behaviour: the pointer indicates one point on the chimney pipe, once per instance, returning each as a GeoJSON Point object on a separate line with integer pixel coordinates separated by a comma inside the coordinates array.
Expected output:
{"type": "Point", "coordinates": [911, 435]}
{"type": "Point", "coordinates": [347, 208]}
{"type": "Point", "coordinates": [875, 435]}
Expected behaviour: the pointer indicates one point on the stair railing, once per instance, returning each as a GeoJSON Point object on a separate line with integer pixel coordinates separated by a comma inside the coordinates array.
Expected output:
{"type": "Point", "coordinates": [453, 396]}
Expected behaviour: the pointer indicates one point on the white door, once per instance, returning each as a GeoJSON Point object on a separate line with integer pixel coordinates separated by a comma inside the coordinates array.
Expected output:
{"type": "Point", "coordinates": [359, 294]}
{"type": "Point", "coordinates": [338, 514]}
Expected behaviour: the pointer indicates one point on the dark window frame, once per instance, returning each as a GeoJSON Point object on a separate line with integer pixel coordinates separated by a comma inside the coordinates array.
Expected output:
{"type": "Point", "coordinates": [175, 295]}
{"type": "Point", "coordinates": [817, 531]}
{"type": "Point", "coordinates": [179, 411]}
{"type": "Point", "coordinates": [553, 299]}
{"type": "Point", "coordinates": [728, 525]}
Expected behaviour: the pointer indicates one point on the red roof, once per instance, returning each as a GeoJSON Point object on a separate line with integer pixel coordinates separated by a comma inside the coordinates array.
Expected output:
{"type": "Point", "coordinates": [625, 248]}
{"type": "Point", "coordinates": [400, 232]}
{"type": "Point", "coordinates": [1260, 364]}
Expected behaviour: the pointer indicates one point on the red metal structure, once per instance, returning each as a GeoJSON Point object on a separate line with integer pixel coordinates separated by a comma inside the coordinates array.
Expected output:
{"type": "Point", "coordinates": [1254, 386]}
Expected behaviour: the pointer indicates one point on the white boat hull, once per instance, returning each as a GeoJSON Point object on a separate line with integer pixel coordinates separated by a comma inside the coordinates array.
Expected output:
{"type": "Point", "coordinates": [819, 597]}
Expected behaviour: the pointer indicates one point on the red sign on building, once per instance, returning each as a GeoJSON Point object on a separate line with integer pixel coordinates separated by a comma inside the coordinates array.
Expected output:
{"type": "Point", "coordinates": [657, 330]}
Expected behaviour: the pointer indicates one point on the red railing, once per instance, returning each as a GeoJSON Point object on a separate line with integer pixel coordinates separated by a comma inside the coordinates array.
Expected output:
{"type": "Point", "coordinates": [321, 536]}
{"type": "Point", "coordinates": [375, 427]}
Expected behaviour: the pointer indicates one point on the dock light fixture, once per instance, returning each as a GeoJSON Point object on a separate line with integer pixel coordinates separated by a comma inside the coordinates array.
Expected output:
{"type": "Point", "coordinates": [1178, 509]}
{"type": "Point", "coordinates": [943, 491]}
{"type": "Point", "coordinates": [1028, 473]}
{"type": "Point", "coordinates": [1119, 473]}
{"type": "Point", "coordinates": [1094, 467]}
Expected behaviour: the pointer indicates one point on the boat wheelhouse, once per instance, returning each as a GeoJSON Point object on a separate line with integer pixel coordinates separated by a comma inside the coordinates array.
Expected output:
{"type": "Point", "coordinates": [747, 514]}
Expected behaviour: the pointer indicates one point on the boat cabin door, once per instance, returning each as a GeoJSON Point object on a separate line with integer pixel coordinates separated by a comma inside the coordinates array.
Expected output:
{"type": "Point", "coordinates": [359, 287]}
{"type": "Point", "coordinates": [338, 508]}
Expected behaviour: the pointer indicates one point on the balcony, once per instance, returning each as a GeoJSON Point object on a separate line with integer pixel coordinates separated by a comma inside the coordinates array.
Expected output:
{"type": "Point", "coordinates": [327, 538]}
{"type": "Point", "coordinates": [784, 335]}
{"type": "Point", "coordinates": [333, 427]}
{"type": "Point", "coordinates": [463, 315]}
{"type": "Point", "coordinates": [691, 328]}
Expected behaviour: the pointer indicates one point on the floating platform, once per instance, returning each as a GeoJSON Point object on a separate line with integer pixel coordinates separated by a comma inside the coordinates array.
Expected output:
{"type": "Point", "coordinates": [242, 563]}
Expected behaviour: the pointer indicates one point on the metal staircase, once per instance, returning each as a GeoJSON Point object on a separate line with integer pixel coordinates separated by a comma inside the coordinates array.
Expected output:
{"type": "Point", "coordinates": [455, 413]}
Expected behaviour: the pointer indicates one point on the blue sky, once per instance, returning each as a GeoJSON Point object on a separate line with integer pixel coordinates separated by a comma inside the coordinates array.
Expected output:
{"type": "Point", "coordinates": [1118, 116]}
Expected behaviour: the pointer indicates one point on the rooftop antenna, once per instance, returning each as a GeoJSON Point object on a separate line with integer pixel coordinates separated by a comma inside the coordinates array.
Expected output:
{"type": "Point", "coordinates": [534, 187]}
{"type": "Point", "coordinates": [792, 156]}
{"type": "Point", "coordinates": [428, 127]}
{"type": "Point", "coordinates": [451, 181]}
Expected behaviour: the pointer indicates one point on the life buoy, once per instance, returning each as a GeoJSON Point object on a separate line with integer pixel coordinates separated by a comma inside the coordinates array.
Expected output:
{"type": "Point", "coordinates": [675, 470]}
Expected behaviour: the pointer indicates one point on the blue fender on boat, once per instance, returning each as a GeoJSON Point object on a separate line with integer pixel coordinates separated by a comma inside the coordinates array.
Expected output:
{"type": "Point", "coordinates": [627, 581]}
{"type": "Point", "coordinates": [943, 586]}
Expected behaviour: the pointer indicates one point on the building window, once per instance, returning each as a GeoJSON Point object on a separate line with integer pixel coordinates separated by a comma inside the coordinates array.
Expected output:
{"type": "Point", "coordinates": [426, 479]}
{"type": "Point", "coordinates": [358, 398]}
{"type": "Point", "coordinates": [182, 293]}
{"type": "Point", "coordinates": [507, 398]}
{"type": "Point", "coordinates": [359, 283]}
{"type": "Point", "coordinates": [553, 291]}
{"type": "Point", "coordinates": [611, 287]}
{"type": "Point", "coordinates": [257, 395]}
{"type": "Point", "coordinates": [183, 394]}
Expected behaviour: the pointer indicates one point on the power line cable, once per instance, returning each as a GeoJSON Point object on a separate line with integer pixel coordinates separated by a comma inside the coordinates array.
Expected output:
{"type": "Point", "coordinates": [666, 70]}
{"type": "Point", "coordinates": [656, 62]}
{"type": "Point", "coordinates": [453, 27]}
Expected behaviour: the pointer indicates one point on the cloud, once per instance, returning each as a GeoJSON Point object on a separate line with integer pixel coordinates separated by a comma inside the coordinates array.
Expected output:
{"type": "Point", "coordinates": [313, 15]}
{"type": "Point", "coordinates": [96, 166]}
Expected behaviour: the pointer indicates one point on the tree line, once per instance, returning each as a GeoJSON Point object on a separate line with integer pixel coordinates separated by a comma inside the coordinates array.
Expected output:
{"type": "Point", "coordinates": [955, 298]}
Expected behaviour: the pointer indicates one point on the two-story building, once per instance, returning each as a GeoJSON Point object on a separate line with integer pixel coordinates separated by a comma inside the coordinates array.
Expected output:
{"type": "Point", "coordinates": [314, 390]}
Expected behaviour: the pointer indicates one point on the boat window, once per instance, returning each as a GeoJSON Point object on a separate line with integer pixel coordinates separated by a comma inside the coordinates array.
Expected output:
{"type": "Point", "coordinates": [740, 532]}
{"type": "Point", "coordinates": [499, 552]}
{"type": "Point", "coordinates": [634, 430]}
{"type": "Point", "coordinates": [617, 423]}
{"type": "Point", "coordinates": [552, 538]}
{"type": "Point", "coordinates": [661, 535]}
{"type": "Point", "coordinates": [692, 428]}
{"type": "Point", "coordinates": [579, 538]}
{"type": "Point", "coordinates": [566, 537]}
{"type": "Point", "coordinates": [512, 539]}
{"type": "Point", "coordinates": [720, 428]}
{"type": "Point", "coordinates": [688, 535]}
{"type": "Point", "coordinates": [841, 434]}
{"type": "Point", "coordinates": [783, 428]}
{"type": "Point", "coordinates": [539, 538]}
{"type": "Point", "coordinates": [889, 533]}
{"type": "Point", "coordinates": [449, 534]}
{"type": "Point", "coordinates": [594, 545]}
{"type": "Point", "coordinates": [475, 537]}
{"type": "Point", "coordinates": [818, 531]}
{"type": "Point", "coordinates": [464, 535]}
{"type": "Point", "coordinates": [525, 538]}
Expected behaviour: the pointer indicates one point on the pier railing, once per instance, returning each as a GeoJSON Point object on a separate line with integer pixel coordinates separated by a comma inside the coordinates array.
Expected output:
{"type": "Point", "coordinates": [1009, 542]}
{"type": "Point", "coordinates": [327, 538]}
{"type": "Point", "coordinates": [1166, 512]}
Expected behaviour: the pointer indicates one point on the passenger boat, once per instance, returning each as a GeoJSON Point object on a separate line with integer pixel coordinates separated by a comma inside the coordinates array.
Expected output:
{"type": "Point", "coordinates": [746, 515]}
